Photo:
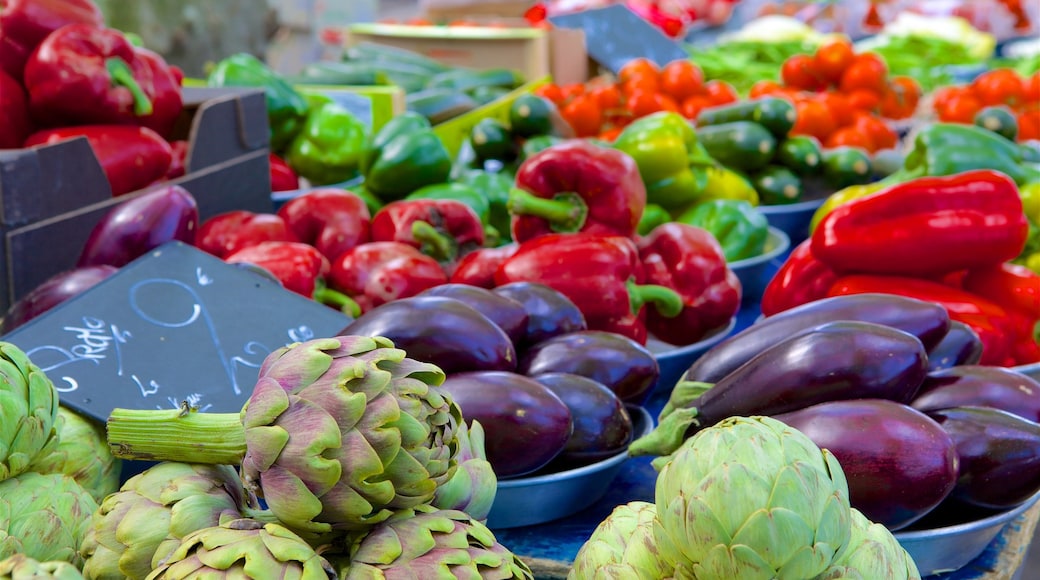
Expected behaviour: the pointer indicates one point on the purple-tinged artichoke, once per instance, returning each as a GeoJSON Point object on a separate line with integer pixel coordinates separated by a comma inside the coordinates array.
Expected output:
{"type": "Point", "coordinates": [873, 552]}
{"type": "Point", "coordinates": [431, 544]}
{"type": "Point", "coordinates": [473, 487]}
{"type": "Point", "coordinates": [28, 412]}
{"type": "Point", "coordinates": [339, 433]}
{"type": "Point", "coordinates": [146, 519]}
{"type": "Point", "coordinates": [44, 517]}
{"type": "Point", "coordinates": [622, 547]}
{"type": "Point", "coordinates": [243, 548]}
{"type": "Point", "coordinates": [82, 453]}
{"type": "Point", "coordinates": [20, 566]}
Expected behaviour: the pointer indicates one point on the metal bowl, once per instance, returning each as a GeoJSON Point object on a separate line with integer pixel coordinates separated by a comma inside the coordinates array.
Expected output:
{"type": "Point", "coordinates": [674, 360]}
{"type": "Point", "coordinates": [950, 548]}
{"type": "Point", "coordinates": [527, 501]}
{"type": "Point", "coordinates": [755, 273]}
{"type": "Point", "coordinates": [793, 218]}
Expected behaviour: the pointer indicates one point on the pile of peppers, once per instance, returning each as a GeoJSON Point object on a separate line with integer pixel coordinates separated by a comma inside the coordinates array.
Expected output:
{"type": "Point", "coordinates": [63, 74]}
{"type": "Point", "coordinates": [946, 239]}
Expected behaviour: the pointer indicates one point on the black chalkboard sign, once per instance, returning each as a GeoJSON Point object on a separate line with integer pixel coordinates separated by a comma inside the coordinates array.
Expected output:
{"type": "Point", "coordinates": [615, 35]}
{"type": "Point", "coordinates": [174, 325]}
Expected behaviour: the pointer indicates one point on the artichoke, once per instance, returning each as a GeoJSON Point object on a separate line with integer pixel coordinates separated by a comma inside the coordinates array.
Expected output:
{"type": "Point", "coordinates": [28, 411]}
{"type": "Point", "coordinates": [473, 487]}
{"type": "Point", "coordinates": [431, 544]}
{"type": "Point", "coordinates": [82, 453]}
{"type": "Point", "coordinates": [243, 548]}
{"type": "Point", "coordinates": [21, 566]}
{"type": "Point", "coordinates": [44, 517]}
{"type": "Point", "coordinates": [873, 552]}
{"type": "Point", "coordinates": [338, 434]}
{"type": "Point", "coordinates": [145, 520]}
{"type": "Point", "coordinates": [751, 498]}
{"type": "Point", "coordinates": [622, 547]}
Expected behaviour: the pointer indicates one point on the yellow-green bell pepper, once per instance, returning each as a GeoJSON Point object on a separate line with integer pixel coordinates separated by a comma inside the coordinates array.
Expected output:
{"type": "Point", "coordinates": [840, 197]}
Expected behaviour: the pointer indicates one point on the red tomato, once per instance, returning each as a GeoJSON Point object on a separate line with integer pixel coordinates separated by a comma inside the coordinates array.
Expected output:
{"type": "Point", "coordinates": [833, 58]}
{"type": "Point", "coordinates": [838, 104]}
{"type": "Point", "coordinates": [960, 109]}
{"type": "Point", "coordinates": [640, 67]}
{"type": "Point", "coordinates": [1033, 88]}
{"type": "Point", "coordinates": [692, 106]}
{"type": "Point", "coordinates": [643, 103]}
{"type": "Point", "coordinates": [584, 116]}
{"type": "Point", "coordinates": [800, 72]}
{"type": "Point", "coordinates": [640, 84]}
{"type": "Point", "coordinates": [880, 134]}
{"type": "Point", "coordinates": [550, 92]}
{"type": "Point", "coordinates": [720, 92]}
{"type": "Point", "coordinates": [609, 135]}
{"type": "Point", "coordinates": [849, 137]}
{"type": "Point", "coordinates": [571, 91]}
{"type": "Point", "coordinates": [1002, 86]}
{"type": "Point", "coordinates": [863, 100]}
{"type": "Point", "coordinates": [899, 101]}
{"type": "Point", "coordinates": [608, 97]}
{"type": "Point", "coordinates": [681, 79]}
{"type": "Point", "coordinates": [764, 88]}
{"type": "Point", "coordinates": [1029, 125]}
{"type": "Point", "coordinates": [867, 71]}
{"type": "Point", "coordinates": [815, 119]}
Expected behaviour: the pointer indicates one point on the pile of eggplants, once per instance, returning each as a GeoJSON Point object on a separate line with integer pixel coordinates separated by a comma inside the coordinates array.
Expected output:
{"type": "Point", "coordinates": [520, 359]}
{"type": "Point", "coordinates": [892, 388]}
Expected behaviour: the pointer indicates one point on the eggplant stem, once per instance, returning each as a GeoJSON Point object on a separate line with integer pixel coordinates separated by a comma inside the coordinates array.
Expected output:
{"type": "Point", "coordinates": [175, 435]}
{"type": "Point", "coordinates": [122, 76]}
{"type": "Point", "coordinates": [566, 212]}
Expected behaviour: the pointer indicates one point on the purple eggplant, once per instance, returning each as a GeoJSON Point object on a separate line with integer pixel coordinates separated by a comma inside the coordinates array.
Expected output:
{"type": "Point", "coordinates": [899, 463]}
{"type": "Point", "coordinates": [980, 386]}
{"type": "Point", "coordinates": [622, 364]}
{"type": "Point", "coordinates": [602, 425]}
{"type": "Point", "coordinates": [999, 455]}
{"type": "Point", "coordinates": [508, 314]}
{"type": "Point", "coordinates": [549, 313]}
{"type": "Point", "coordinates": [928, 321]}
{"type": "Point", "coordinates": [526, 425]}
{"type": "Point", "coordinates": [960, 346]}
{"type": "Point", "coordinates": [137, 226]}
{"type": "Point", "coordinates": [52, 292]}
{"type": "Point", "coordinates": [441, 331]}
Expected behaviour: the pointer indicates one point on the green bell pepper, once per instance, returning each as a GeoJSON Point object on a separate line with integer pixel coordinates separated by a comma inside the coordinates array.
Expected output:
{"type": "Point", "coordinates": [950, 148]}
{"type": "Point", "coordinates": [404, 156]}
{"type": "Point", "coordinates": [673, 165]}
{"type": "Point", "coordinates": [740, 228]}
{"type": "Point", "coordinates": [328, 148]}
{"type": "Point", "coordinates": [495, 188]}
{"type": "Point", "coordinates": [653, 216]}
{"type": "Point", "coordinates": [286, 108]}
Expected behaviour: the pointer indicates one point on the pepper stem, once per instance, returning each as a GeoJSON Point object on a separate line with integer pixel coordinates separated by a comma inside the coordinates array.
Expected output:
{"type": "Point", "coordinates": [667, 301]}
{"type": "Point", "coordinates": [122, 76]}
{"type": "Point", "coordinates": [566, 212]}
{"type": "Point", "coordinates": [177, 435]}
{"type": "Point", "coordinates": [434, 243]}
{"type": "Point", "coordinates": [329, 297]}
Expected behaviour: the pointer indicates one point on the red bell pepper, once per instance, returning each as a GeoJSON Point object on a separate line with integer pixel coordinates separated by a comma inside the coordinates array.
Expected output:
{"type": "Point", "coordinates": [478, 267]}
{"type": "Point", "coordinates": [930, 225]}
{"type": "Point", "coordinates": [83, 74]}
{"type": "Point", "coordinates": [380, 272]}
{"type": "Point", "coordinates": [229, 232]}
{"type": "Point", "coordinates": [299, 267]}
{"type": "Point", "coordinates": [178, 163]}
{"type": "Point", "coordinates": [602, 275]}
{"type": "Point", "coordinates": [131, 157]}
{"type": "Point", "coordinates": [14, 113]}
{"type": "Point", "coordinates": [330, 219]}
{"type": "Point", "coordinates": [576, 186]}
{"type": "Point", "coordinates": [690, 261]}
{"type": "Point", "coordinates": [1017, 289]}
{"type": "Point", "coordinates": [443, 229]}
{"type": "Point", "coordinates": [801, 279]}
{"type": "Point", "coordinates": [25, 23]}
{"type": "Point", "coordinates": [283, 178]}
{"type": "Point", "coordinates": [991, 322]}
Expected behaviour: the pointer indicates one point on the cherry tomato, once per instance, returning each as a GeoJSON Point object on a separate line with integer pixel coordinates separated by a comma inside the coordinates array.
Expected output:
{"type": "Point", "coordinates": [867, 71]}
{"type": "Point", "coordinates": [639, 67]}
{"type": "Point", "coordinates": [681, 79]}
{"type": "Point", "coordinates": [764, 88]}
{"type": "Point", "coordinates": [1029, 125]}
{"type": "Point", "coordinates": [640, 84]}
{"type": "Point", "coordinates": [692, 106]}
{"type": "Point", "coordinates": [960, 108]}
{"type": "Point", "coordinates": [608, 97]}
{"type": "Point", "coordinates": [833, 58]}
{"type": "Point", "coordinates": [584, 116]}
{"type": "Point", "coordinates": [849, 137]}
{"type": "Point", "coordinates": [1002, 86]}
{"type": "Point", "coordinates": [943, 95]}
{"type": "Point", "coordinates": [551, 92]}
{"type": "Point", "coordinates": [881, 135]}
{"type": "Point", "coordinates": [572, 91]}
{"type": "Point", "coordinates": [799, 71]}
{"type": "Point", "coordinates": [609, 135]}
{"type": "Point", "coordinates": [863, 100]}
{"type": "Point", "coordinates": [814, 119]}
{"type": "Point", "coordinates": [899, 101]}
{"type": "Point", "coordinates": [838, 104]}
{"type": "Point", "coordinates": [1033, 88]}
{"type": "Point", "coordinates": [642, 103]}
{"type": "Point", "coordinates": [720, 92]}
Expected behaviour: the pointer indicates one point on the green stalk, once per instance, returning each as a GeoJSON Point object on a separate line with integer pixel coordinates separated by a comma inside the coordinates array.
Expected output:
{"type": "Point", "coordinates": [329, 297]}
{"type": "Point", "coordinates": [566, 212]}
{"type": "Point", "coordinates": [667, 301]}
{"type": "Point", "coordinates": [122, 76]}
{"type": "Point", "coordinates": [177, 435]}
{"type": "Point", "coordinates": [434, 243]}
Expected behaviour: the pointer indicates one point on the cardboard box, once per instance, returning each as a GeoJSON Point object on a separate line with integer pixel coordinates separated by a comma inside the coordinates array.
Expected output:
{"type": "Point", "coordinates": [441, 10]}
{"type": "Point", "coordinates": [510, 43]}
{"type": "Point", "coordinates": [52, 196]}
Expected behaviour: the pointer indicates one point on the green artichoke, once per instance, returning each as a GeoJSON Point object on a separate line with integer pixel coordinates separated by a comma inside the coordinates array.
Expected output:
{"type": "Point", "coordinates": [751, 498]}
{"type": "Point", "coordinates": [622, 547]}
{"type": "Point", "coordinates": [431, 544]}
{"type": "Point", "coordinates": [21, 566]}
{"type": "Point", "coordinates": [44, 517]}
{"type": "Point", "coordinates": [473, 487]}
{"type": "Point", "coordinates": [145, 520]}
{"type": "Point", "coordinates": [339, 433]}
{"type": "Point", "coordinates": [28, 411]}
{"type": "Point", "coordinates": [82, 453]}
{"type": "Point", "coordinates": [873, 552]}
{"type": "Point", "coordinates": [243, 548]}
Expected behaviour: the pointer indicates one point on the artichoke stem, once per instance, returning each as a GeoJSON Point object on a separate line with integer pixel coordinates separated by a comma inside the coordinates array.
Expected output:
{"type": "Point", "coordinates": [177, 435]}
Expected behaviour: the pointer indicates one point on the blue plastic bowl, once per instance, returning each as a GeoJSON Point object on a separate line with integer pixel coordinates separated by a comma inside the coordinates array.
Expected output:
{"type": "Point", "coordinates": [674, 360]}
{"type": "Point", "coordinates": [793, 219]}
{"type": "Point", "coordinates": [755, 273]}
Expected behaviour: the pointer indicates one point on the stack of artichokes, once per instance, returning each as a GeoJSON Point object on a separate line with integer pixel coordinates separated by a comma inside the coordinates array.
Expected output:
{"type": "Point", "coordinates": [749, 498]}
{"type": "Point", "coordinates": [363, 463]}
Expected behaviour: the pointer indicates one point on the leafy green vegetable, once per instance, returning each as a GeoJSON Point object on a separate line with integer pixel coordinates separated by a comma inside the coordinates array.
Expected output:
{"type": "Point", "coordinates": [745, 62]}
{"type": "Point", "coordinates": [929, 60]}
